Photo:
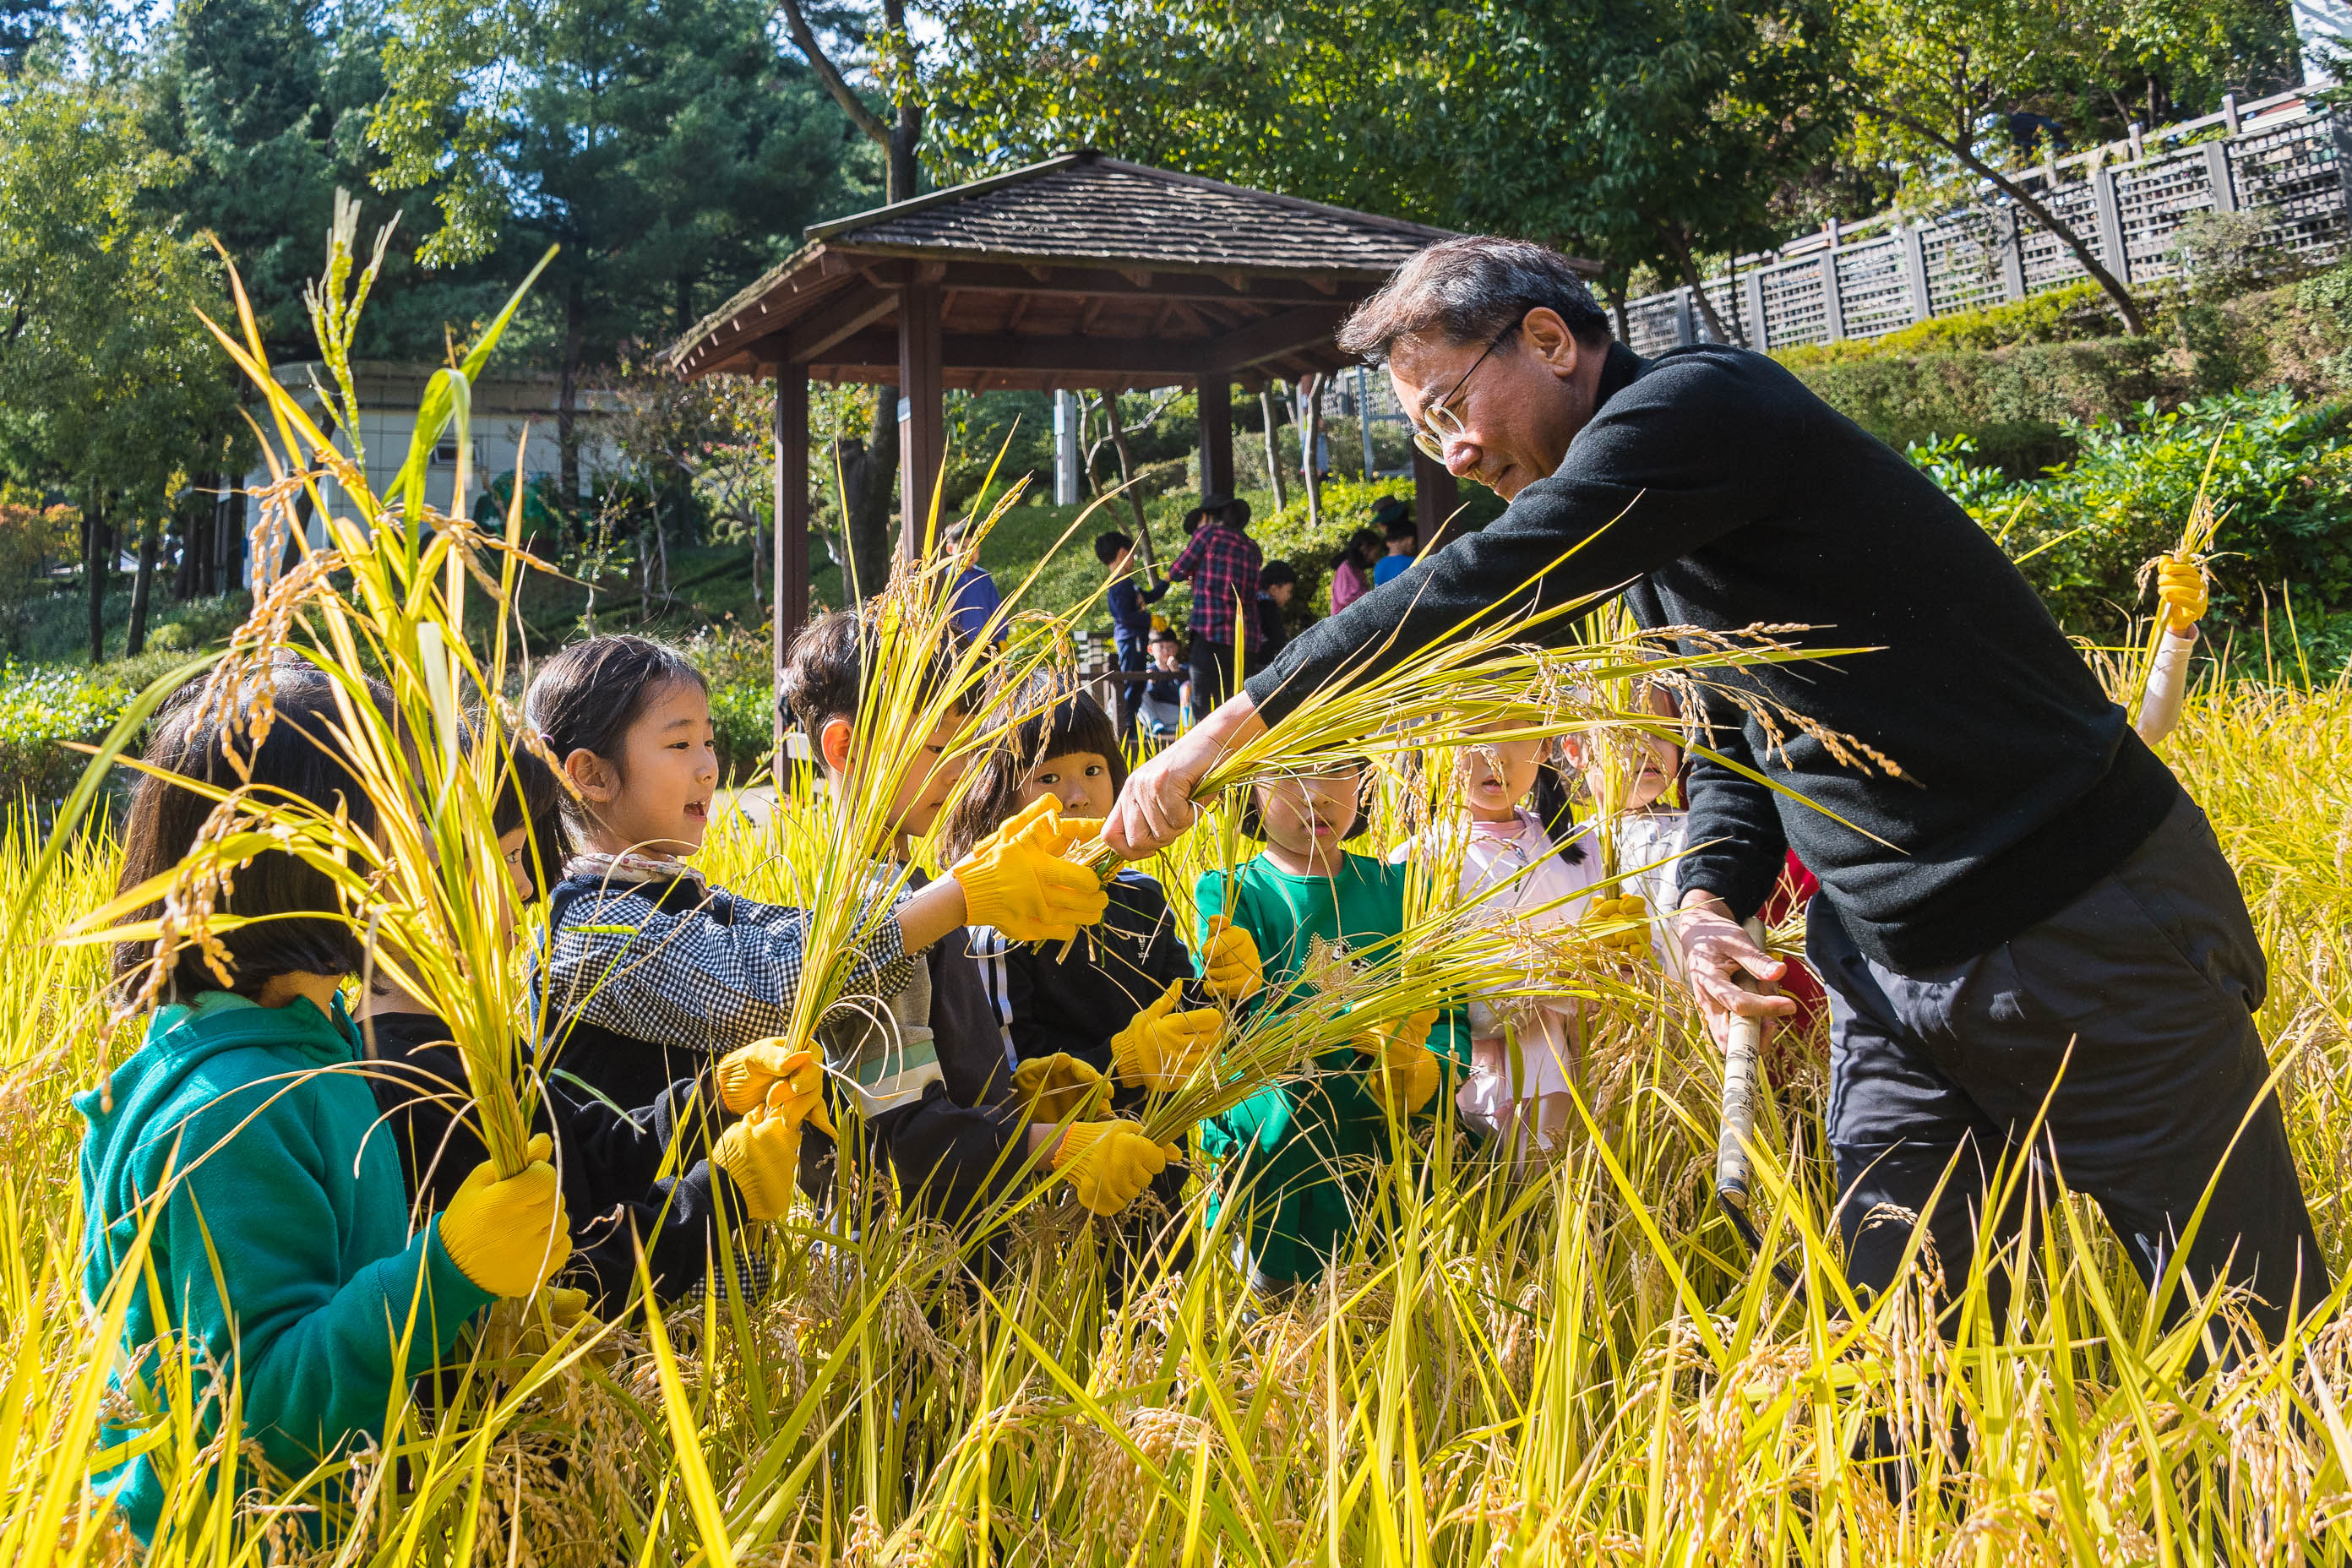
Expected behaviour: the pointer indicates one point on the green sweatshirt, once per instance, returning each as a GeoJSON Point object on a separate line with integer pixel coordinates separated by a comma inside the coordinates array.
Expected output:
{"type": "Point", "coordinates": [305, 1214]}
{"type": "Point", "coordinates": [1303, 1150]}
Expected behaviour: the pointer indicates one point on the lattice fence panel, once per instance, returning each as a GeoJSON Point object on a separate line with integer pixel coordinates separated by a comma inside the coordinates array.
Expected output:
{"type": "Point", "coordinates": [1963, 257]}
{"type": "Point", "coordinates": [1874, 287]}
{"type": "Point", "coordinates": [2153, 200]}
{"type": "Point", "coordinates": [1654, 323]}
{"type": "Point", "coordinates": [2048, 263]}
{"type": "Point", "coordinates": [1795, 312]}
{"type": "Point", "coordinates": [2293, 173]}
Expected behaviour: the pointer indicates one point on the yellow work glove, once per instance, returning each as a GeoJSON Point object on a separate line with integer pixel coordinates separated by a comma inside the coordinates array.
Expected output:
{"type": "Point", "coordinates": [507, 1236]}
{"type": "Point", "coordinates": [1109, 1163]}
{"type": "Point", "coordinates": [1629, 912]}
{"type": "Point", "coordinates": [1162, 1047]}
{"type": "Point", "coordinates": [761, 1153]}
{"type": "Point", "coordinates": [1018, 880]}
{"type": "Point", "coordinates": [1061, 1088]}
{"type": "Point", "coordinates": [1230, 965]}
{"type": "Point", "coordinates": [2180, 589]}
{"type": "Point", "coordinates": [1404, 1070]}
{"type": "Point", "coordinates": [746, 1074]}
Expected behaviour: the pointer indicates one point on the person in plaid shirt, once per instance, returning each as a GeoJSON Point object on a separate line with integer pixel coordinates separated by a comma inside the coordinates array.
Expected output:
{"type": "Point", "coordinates": [1222, 564]}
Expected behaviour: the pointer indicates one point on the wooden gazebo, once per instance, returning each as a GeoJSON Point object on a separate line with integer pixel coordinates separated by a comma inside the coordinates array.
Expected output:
{"type": "Point", "coordinates": [1081, 271]}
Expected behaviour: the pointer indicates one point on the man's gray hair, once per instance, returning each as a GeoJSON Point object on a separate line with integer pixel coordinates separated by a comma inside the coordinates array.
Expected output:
{"type": "Point", "coordinates": [1472, 290]}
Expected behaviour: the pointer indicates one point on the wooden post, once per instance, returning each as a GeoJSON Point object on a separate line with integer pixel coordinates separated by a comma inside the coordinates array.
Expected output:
{"type": "Point", "coordinates": [1435, 494]}
{"type": "Point", "coordinates": [922, 431]}
{"type": "Point", "coordinates": [788, 605]}
{"type": "Point", "coordinates": [1216, 434]}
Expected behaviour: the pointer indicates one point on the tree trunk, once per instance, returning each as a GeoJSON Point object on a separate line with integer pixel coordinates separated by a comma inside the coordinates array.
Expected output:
{"type": "Point", "coordinates": [195, 523]}
{"type": "Point", "coordinates": [2117, 290]}
{"type": "Point", "coordinates": [1273, 446]}
{"type": "Point", "coordinates": [1127, 475]}
{"type": "Point", "coordinates": [1310, 437]}
{"type": "Point", "coordinates": [1688, 270]}
{"type": "Point", "coordinates": [1617, 306]}
{"type": "Point", "coordinates": [143, 585]}
{"type": "Point", "coordinates": [567, 398]}
{"type": "Point", "coordinates": [97, 555]}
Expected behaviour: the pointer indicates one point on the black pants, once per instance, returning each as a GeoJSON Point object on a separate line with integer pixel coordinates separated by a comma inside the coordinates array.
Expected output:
{"type": "Point", "coordinates": [1213, 674]}
{"type": "Point", "coordinates": [2144, 990]}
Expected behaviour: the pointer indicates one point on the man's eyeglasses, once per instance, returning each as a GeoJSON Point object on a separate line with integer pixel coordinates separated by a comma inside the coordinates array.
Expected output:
{"type": "Point", "coordinates": [1438, 423]}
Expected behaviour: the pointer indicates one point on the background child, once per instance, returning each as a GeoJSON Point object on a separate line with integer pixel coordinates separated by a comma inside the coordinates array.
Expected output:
{"type": "Point", "coordinates": [647, 1176]}
{"type": "Point", "coordinates": [1298, 1153]}
{"type": "Point", "coordinates": [1523, 1054]}
{"type": "Point", "coordinates": [1351, 569]}
{"type": "Point", "coordinates": [1130, 619]}
{"type": "Point", "coordinates": [282, 1257]}
{"type": "Point", "coordinates": [1121, 1014]}
{"type": "Point", "coordinates": [932, 1070]}
{"type": "Point", "coordinates": [651, 973]}
{"type": "Point", "coordinates": [1166, 703]}
{"type": "Point", "coordinates": [1277, 581]}
{"type": "Point", "coordinates": [1403, 537]}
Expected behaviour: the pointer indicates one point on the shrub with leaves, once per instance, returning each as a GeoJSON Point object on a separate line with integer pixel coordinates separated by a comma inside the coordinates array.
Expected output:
{"type": "Point", "coordinates": [41, 710]}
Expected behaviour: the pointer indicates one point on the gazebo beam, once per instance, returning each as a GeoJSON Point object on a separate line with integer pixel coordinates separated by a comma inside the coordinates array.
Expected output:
{"type": "Point", "coordinates": [1178, 359]}
{"type": "Point", "coordinates": [1275, 336]}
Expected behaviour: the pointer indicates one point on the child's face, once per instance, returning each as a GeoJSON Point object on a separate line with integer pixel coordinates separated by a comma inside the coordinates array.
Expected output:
{"type": "Point", "coordinates": [1657, 759]}
{"type": "Point", "coordinates": [1306, 819]}
{"type": "Point", "coordinates": [1079, 780]}
{"type": "Point", "coordinates": [514, 851]}
{"type": "Point", "coordinates": [1280, 592]}
{"type": "Point", "coordinates": [1121, 561]}
{"type": "Point", "coordinates": [1496, 775]}
{"type": "Point", "coordinates": [654, 798]}
{"type": "Point", "coordinates": [931, 779]}
{"type": "Point", "coordinates": [1163, 655]}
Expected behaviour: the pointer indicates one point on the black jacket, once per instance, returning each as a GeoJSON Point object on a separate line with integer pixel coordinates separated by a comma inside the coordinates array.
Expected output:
{"type": "Point", "coordinates": [1113, 972]}
{"type": "Point", "coordinates": [609, 1160]}
{"type": "Point", "coordinates": [1718, 492]}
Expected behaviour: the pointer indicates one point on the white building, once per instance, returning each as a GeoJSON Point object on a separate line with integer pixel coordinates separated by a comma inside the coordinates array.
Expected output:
{"type": "Point", "coordinates": [511, 417]}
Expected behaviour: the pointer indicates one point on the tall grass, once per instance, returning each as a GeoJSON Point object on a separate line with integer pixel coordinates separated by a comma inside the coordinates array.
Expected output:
{"type": "Point", "coordinates": [1573, 1366]}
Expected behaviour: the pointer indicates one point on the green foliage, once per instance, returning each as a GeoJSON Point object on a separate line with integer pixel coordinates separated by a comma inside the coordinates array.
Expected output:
{"type": "Point", "coordinates": [42, 708]}
{"type": "Point", "coordinates": [2281, 476]}
{"type": "Point", "coordinates": [735, 661]}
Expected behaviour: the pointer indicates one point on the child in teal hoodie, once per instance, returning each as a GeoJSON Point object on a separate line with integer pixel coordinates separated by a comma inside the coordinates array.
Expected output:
{"type": "Point", "coordinates": [244, 1117]}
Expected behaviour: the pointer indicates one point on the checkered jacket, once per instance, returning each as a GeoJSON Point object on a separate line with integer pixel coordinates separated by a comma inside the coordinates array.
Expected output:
{"type": "Point", "coordinates": [1223, 566]}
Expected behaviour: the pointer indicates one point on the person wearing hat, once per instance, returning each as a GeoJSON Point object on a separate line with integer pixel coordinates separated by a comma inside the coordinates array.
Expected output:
{"type": "Point", "coordinates": [1402, 536]}
{"type": "Point", "coordinates": [1222, 564]}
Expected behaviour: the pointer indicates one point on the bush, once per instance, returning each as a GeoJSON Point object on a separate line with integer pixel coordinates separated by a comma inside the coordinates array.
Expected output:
{"type": "Point", "coordinates": [2070, 314]}
{"type": "Point", "coordinates": [736, 662]}
{"type": "Point", "coordinates": [2281, 475]}
{"type": "Point", "coordinates": [40, 710]}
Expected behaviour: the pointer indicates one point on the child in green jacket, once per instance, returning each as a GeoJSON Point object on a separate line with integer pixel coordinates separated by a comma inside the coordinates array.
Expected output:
{"type": "Point", "coordinates": [1299, 1154]}
{"type": "Point", "coordinates": [241, 1128]}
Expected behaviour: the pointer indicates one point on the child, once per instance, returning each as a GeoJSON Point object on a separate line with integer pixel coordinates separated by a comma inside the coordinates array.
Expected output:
{"type": "Point", "coordinates": [1298, 1153]}
{"type": "Point", "coordinates": [1277, 581]}
{"type": "Point", "coordinates": [651, 974]}
{"type": "Point", "coordinates": [1351, 569]}
{"type": "Point", "coordinates": [1166, 701]}
{"type": "Point", "coordinates": [1649, 830]}
{"type": "Point", "coordinates": [617, 1189]}
{"type": "Point", "coordinates": [1130, 621]}
{"type": "Point", "coordinates": [1404, 539]}
{"type": "Point", "coordinates": [943, 1011]}
{"type": "Point", "coordinates": [1121, 1014]}
{"type": "Point", "coordinates": [1523, 1053]}
{"type": "Point", "coordinates": [282, 1255]}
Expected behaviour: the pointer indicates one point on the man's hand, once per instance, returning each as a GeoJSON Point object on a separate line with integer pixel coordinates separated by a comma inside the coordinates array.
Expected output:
{"type": "Point", "coordinates": [1156, 807]}
{"type": "Point", "coordinates": [1715, 953]}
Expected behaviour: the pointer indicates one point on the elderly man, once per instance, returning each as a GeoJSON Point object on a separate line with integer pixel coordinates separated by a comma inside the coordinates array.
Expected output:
{"type": "Point", "coordinates": [2030, 912]}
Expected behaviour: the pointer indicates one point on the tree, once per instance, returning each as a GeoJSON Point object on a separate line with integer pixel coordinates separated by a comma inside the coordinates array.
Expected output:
{"type": "Point", "coordinates": [1645, 132]}
{"type": "Point", "coordinates": [22, 24]}
{"type": "Point", "coordinates": [669, 151]}
{"type": "Point", "coordinates": [109, 388]}
{"type": "Point", "coordinates": [1932, 83]}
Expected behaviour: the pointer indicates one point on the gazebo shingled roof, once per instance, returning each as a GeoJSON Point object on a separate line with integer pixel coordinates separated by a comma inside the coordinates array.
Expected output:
{"type": "Point", "coordinates": [1080, 271]}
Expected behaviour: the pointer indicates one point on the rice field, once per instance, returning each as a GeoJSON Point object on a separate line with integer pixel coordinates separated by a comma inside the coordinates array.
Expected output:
{"type": "Point", "coordinates": [1572, 1365]}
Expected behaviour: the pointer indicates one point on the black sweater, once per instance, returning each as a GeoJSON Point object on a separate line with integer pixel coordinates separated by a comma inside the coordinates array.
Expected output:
{"type": "Point", "coordinates": [1718, 492]}
{"type": "Point", "coordinates": [609, 1162]}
